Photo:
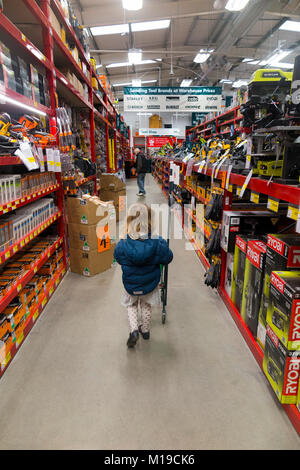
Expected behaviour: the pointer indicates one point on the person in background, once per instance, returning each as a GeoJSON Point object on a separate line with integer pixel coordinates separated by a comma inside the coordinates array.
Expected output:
{"type": "Point", "coordinates": [141, 164]}
{"type": "Point", "coordinates": [140, 255]}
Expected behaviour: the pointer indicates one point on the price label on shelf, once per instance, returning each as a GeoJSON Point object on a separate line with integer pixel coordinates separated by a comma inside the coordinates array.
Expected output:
{"type": "Point", "coordinates": [293, 212]}
{"type": "Point", "coordinates": [273, 204]}
{"type": "Point", "coordinates": [254, 197]}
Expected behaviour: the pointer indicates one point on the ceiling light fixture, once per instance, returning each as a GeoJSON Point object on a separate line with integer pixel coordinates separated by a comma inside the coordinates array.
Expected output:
{"type": "Point", "coordinates": [130, 83]}
{"type": "Point", "coordinates": [113, 29]}
{"type": "Point", "coordinates": [291, 26]}
{"type": "Point", "coordinates": [202, 56]}
{"type": "Point", "coordinates": [236, 5]}
{"type": "Point", "coordinates": [128, 64]}
{"type": "Point", "coordinates": [134, 56]}
{"type": "Point", "coordinates": [149, 25]}
{"type": "Point", "coordinates": [282, 65]}
{"type": "Point", "coordinates": [136, 82]}
{"type": "Point", "coordinates": [239, 83]}
{"type": "Point", "coordinates": [277, 57]}
{"type": "Point", "coordinates": [186, 82]}
{"type": "Point", "coordinates": [132, 4]}
{"type": "Point", "coordinates": [224, 80]}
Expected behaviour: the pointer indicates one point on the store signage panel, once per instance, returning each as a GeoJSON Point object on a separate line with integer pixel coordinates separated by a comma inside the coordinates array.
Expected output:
{"type": "Point", "coordinates": [157, 142]}
{"type": "Point", "coordinates": [172, 99]}
{"type": "Point", "coordinates": [161, 132]}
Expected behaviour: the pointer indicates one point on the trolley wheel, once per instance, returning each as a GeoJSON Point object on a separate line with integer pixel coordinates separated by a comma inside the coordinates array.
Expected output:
{"type": "Point", "coordinates": [163, 319]}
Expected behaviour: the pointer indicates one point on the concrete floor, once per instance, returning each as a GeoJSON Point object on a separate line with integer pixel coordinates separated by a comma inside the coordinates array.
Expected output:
{"type": "Point", "coordinates": [194, 385]}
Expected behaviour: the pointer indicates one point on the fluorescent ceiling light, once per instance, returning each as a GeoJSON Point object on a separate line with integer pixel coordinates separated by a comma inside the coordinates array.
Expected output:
{"type": "Point", "coordinates": [144, 114]}
{"type": "Point", "coordinates": [291, 26]}
{"type": "Point", "coordinates": [202, 56]}
{"type": "Point", "coordinates": [247, 59]}
{"type": "Point", "coordinates": [98, 66]}
{"type": "Point", "coordinates": [239, 83]}
{"type": "Point", "coordinates": [282, 65]}
{"type": "Point", "coordinates": [186, 83]}
{"type": "Point", "coordinates": [251, 61]}
{"type": "Point", "coordinates": [132, 4]}
{"type": "Point", "coordinates": [6, 99]}
{"type": "Point", "coordinates": [128, 64]}
{"type": "Point", "coordinates": [136, 82]}
{"type": "Point", "coordinates": [224, 80]}
{"type": "Point", "coordinates": [113, 29]}
{"type": "Point", "coordinates": [134, 56]}
{"type": "Point", "coordinates": [277, 57]}
{"type": "Point", "coordinates": [130, 83]}
{"type": "Point", "coordinates": [236, 5]}
{"type": "Point", "coordinates": [149, 25]}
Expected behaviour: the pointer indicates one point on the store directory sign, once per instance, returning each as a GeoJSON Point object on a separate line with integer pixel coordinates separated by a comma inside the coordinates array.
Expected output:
{"type": "Point", "coordinates": [172, 99]}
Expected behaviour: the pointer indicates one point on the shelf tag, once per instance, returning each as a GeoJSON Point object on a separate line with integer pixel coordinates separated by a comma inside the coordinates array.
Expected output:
{"type": "Point", "coordinates": [293, 212]}
{"type": "Point", "coordinates": [273, 204]}
{"type": "Point", "coordinates": [254, 197]}
{"type": "Point", "coordinates": [244, 187]}
{"type": "Point", "coordinates": [228, 178]}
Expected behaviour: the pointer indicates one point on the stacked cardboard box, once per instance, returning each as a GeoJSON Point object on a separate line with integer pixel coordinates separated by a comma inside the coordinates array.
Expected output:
{"type": "Point", "coordinates": [92, 234]}
{"type": "Point", "coordinates": [113, 189]}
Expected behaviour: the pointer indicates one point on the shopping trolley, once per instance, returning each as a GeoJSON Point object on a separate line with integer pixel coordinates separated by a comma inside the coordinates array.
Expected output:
{"type": "Point", "coordinates": [164, 270]}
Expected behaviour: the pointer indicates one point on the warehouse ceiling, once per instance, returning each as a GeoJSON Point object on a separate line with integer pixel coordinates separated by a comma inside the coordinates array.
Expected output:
{"type": "Point", "coordinates": [168, 53]}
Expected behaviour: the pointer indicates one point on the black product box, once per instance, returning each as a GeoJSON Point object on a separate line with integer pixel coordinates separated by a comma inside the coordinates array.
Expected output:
{"type": "Point", "coordinates": [5, 56]}
{"type": "Point", "coordinates": [253, 283]}
{"type": "Point", "coordinates": [283, 314]}
{"type": "Point", "coordinates": [283, 254]}
{"type": "Point", "coordinates": [34, 75]}
{"type": "Point", "coordinates": [281, 368]}
{"type": "Point", "coordinates": [10, 78]}
{"type": "Point", "coordinates": [24, 69]}
{"type": "Point", "coordinates": [245, 222]}
{"type": "Point", "coordinates": [238, 273]}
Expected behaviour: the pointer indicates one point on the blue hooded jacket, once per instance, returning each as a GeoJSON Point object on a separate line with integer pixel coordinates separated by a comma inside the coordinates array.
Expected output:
{"type": "Point", "coordinates": [140, 260]}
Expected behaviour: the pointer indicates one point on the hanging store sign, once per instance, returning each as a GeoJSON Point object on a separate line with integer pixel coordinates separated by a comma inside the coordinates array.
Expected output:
{"type": "Point", "coordinates": [173, 99]}
{"type": "Point", "coordinates": [161, 132]}
{"type": "Point", "coordinates": [158, 142]}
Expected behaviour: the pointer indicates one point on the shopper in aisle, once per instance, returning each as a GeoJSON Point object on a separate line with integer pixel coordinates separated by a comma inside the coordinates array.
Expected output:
{"type": "Point", "coordinates": [141, 164]}
{"type": "Point", "coordinates": [140, 254]}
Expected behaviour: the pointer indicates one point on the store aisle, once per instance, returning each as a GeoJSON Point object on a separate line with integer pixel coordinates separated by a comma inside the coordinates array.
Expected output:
{"type": "Point", "coordinates": [195, 385]}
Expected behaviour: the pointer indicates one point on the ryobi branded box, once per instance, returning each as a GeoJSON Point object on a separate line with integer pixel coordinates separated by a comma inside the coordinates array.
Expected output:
{"type": "Point", "coordinates": [253, 283]}
{"type": "Point", "coordinates": [283, 314]}
{"type": "Point", "coordinates": [238, 273]}
{"type": "Point", "coordinates": [281, 368]}
{"type": "Point", "coordinates": [283, 254]}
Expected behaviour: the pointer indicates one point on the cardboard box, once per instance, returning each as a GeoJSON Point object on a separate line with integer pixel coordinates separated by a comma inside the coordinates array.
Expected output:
{"type": "Point", "coordinates": [91, 263]}
{"type": "Point", "coordinates": [283, 314]}
{"type": "Point", "coordinates": [111, 182]}
{"type": "Point", "coordinates": [88, 210]}
{"type": "Point", "coordinates": [283, 254]}
{"type": "Point", "coordinates": [281, 368]}
{"type": "Point", "coordinates": [253, 283]}
{"type": "Point", "coordinates": [118, 198]}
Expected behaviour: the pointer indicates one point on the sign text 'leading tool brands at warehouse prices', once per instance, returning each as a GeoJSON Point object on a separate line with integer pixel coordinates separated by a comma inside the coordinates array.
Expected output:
{"type": "Point", "coordinates": [172, 99]}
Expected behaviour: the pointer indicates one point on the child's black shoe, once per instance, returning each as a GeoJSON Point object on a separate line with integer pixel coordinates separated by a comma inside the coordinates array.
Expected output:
{"type": "Point", "coordinates": [132, 340]}
{"type": "Point", "coordinates": [144, 335]}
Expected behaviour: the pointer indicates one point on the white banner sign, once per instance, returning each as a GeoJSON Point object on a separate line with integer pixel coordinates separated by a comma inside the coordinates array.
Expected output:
{"type": "Point", "coordinates": [172, 99]}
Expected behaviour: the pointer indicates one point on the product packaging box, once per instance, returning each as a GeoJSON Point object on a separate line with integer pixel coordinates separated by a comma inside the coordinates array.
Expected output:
{"type": "Point", "coordinates": [253, 283]}
{"type": "Point", "coordinates": [85, 237]}
{"type": "Point", "coordinates": [111, 182]}
{"type": "Point", "coordinates": [281, 368]}
{"type": "Point", "coordinates": [283, 314]}
{"type": "Point", "coordinates": [88, 210]}
{"type": "Point", "coordinates": [283, 254]}
{"type": "Point", "coordinates": [238, 273]}
{"type": "Point", "coordinates": [247, 223]}
{"type": "Point", "coordinates": [298, 399]}
{"type": "Point", "coordinates": [92, 262]}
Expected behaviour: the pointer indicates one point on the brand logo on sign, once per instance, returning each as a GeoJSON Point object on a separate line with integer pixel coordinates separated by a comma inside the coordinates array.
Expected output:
{"type": "Point", "coordinates": [241, 244]}
{"type": "Point", "coordinates": [277, 282]}
{"type": "Point", "coordinates": [276, 244]}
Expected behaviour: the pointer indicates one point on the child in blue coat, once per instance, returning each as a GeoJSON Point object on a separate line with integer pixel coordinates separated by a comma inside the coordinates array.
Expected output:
{"type": "Point", "coordinates": [140, 255]}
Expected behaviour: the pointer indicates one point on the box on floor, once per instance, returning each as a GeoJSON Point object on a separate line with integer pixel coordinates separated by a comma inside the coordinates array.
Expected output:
{"type": "Point", "coordinates": [90, 263]}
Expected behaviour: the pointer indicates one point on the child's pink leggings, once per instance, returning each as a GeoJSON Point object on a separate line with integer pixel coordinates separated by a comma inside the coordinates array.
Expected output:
{"type": "Point", "coordinates": [145, 314]}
